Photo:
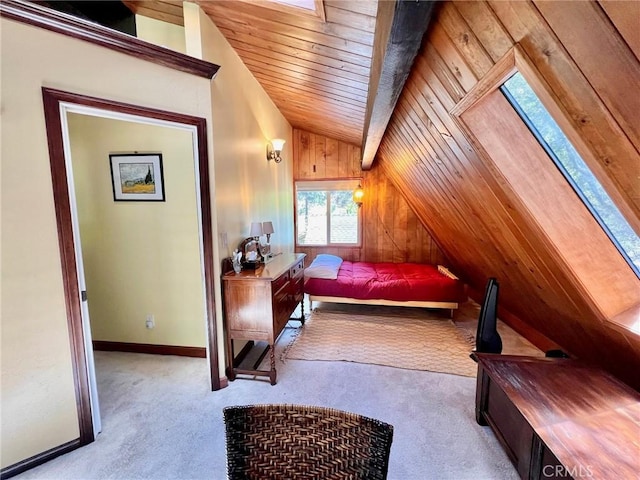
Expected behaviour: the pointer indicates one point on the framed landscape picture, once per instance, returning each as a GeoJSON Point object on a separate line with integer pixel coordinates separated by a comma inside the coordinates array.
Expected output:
{"type": "Point", "coordinates": [137, 177]}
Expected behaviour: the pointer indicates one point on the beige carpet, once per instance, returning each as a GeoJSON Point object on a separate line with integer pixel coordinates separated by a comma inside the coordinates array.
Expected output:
{"type": "Point", "coordinates": [433, 344]}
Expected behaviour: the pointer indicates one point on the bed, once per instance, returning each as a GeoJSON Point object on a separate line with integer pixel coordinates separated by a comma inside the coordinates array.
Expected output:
{"type": "Point", "coordinates": [330, 279]}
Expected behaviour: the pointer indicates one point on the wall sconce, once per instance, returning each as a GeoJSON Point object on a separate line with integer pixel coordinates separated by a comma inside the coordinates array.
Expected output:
{"type": "Point", "coordinates": [274, 148]}
{"type": "Point", "coordinates": [358, 195]}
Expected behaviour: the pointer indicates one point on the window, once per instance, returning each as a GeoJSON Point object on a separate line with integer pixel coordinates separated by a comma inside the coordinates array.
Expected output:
{"type": "Point", "coordinates": [574, 169]}
{"type": "Point", "coordinates": [307, 8]}
{"type": "Point", "coordinates": [326, 213]}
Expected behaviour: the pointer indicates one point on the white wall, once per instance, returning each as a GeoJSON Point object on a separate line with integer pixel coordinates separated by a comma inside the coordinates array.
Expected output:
{"type": "Point", "coordinates": [140, 258]}
{"type": "Point", "coordinates": [37, 394]}
{"type": "Point", "coordinates": [248, 188]}
{"type": "Point", "coordinates": [161, 33]}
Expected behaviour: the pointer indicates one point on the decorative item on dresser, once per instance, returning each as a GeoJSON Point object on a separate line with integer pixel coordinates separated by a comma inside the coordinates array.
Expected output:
{"type": "Point", "coordinates": [259, 303]}
{"type": "Point", "coordinates": [250, 247]}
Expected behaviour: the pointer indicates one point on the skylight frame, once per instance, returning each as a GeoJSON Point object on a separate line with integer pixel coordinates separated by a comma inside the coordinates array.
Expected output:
{"type": "Point", "coordinates": [616, 299]}
{"type": "Point", "coordinates": [565, 173]}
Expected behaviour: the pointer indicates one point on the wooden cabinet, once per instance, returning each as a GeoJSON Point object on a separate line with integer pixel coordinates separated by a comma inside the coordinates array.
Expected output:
{"type": "Point", "coordinates": [559, 418]}
{"type": "Point", "coordinates": [259, 303]}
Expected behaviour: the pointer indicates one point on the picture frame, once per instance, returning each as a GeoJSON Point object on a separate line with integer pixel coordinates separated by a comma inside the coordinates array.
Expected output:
{"type": "Point", "coordinates": [137, 177]}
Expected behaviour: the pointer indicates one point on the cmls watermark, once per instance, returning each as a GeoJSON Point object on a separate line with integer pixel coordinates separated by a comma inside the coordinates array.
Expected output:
{"type": "Point", "coordinates": [555, 471]}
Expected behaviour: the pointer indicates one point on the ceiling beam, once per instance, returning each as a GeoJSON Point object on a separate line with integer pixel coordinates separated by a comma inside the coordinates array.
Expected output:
{"type": "Point", "coordinates": [400, 26]}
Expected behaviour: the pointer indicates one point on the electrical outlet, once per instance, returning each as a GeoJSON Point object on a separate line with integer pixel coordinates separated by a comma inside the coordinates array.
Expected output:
{"type": "Point", "coordinates": [225, 239]}
{"type": "Point", "coordinates": [150, 323]}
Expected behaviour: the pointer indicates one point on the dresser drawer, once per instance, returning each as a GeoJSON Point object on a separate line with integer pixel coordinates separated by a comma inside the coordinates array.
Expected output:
{"type": "Point", "coordinates": [297, 269]}
{"type": "Point", "coordinates": [280, 282]}
{"type": "Point", "coordinates": [297, 286]}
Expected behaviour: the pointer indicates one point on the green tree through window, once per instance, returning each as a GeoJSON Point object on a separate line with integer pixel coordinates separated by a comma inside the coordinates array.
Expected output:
{"type": "Point", "coordinates": [326, 214]}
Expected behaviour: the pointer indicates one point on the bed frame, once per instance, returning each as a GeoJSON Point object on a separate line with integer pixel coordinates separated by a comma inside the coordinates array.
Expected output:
{"type": "Point", "coordinates": [451, 306]}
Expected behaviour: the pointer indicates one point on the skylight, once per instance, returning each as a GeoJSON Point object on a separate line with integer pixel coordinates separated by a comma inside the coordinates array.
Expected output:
{"type": "Point", "coordinates": [574, 169]}
{"type": "Point", "coordinates": [306, 4]}
{"type": "Point", "coordinates": [306, 8]}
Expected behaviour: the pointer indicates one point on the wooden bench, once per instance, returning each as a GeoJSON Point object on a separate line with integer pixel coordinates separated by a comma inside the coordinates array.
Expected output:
{"type": "Point", "coordinates": [559, 418]}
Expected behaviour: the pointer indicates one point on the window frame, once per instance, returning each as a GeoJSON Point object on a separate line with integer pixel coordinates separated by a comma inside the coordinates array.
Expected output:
{"type": "Point", "coordinates": [350, 183]}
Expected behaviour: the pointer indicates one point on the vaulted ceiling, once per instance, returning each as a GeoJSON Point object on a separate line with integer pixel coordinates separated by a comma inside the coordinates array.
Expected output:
{"type": "Point", "coordinates": [336, 71]}
{"type": "Point", "coordinates": [315, 71]}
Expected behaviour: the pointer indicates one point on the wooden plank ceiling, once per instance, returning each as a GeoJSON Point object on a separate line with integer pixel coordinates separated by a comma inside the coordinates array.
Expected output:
{"type": "Point", "coordinates": [317, 73]}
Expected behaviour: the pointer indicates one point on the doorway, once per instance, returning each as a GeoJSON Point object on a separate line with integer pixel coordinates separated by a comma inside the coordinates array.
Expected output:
{"type": "Point", "coordinates": [58, 105]}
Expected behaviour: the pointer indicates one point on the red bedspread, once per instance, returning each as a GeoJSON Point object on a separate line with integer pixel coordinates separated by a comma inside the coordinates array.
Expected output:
{"type": "Point", "coordinates": [400, 282]}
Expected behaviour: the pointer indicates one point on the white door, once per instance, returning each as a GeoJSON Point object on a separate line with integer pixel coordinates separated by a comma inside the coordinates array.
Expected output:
{"type": "Point", "coordinates": [86, 326]}
{"type": "Point", "coordinates": [88, 342]}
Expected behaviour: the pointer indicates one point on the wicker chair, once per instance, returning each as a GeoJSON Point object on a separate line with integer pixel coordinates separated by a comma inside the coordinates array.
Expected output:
{"type": "Point", "coordinates": [291, 442]}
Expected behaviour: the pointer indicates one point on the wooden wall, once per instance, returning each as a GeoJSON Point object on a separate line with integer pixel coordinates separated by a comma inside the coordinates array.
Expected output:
{"type": "Point", "coordinates": [587, 52]}
{"type": "Point", "coordinates": [391, 230]}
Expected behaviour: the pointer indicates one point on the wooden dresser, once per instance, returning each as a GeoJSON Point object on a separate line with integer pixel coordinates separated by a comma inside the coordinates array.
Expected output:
{"type": "Point", "coordinates": [559, 418]}
{"type": "Point", "coordinates": [259, 303]}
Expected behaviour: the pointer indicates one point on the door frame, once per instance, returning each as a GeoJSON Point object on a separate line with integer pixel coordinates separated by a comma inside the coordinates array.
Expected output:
{"type": "Point", "coordinates": [54, 101]}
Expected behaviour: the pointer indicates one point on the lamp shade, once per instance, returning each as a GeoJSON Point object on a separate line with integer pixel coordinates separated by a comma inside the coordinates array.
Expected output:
{"type": "Point", "coordinates": [277, 143]}
{"type": "Point", "coordinates": [267, 228]}
{"type": "Point", "coordinates": [256, 229]}
{"type": "Point", "coordinates": [358, 195]}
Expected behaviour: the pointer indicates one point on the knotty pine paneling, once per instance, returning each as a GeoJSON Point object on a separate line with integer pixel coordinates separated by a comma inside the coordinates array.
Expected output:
{"type": "Point", "coordinates": [625, 15]}
{"type": "Point", "coordinates": [315, 71]}
{"type": "Point", "coordinates": [473, 213]}
{"type": "Point", "coordinates": [391, 231]}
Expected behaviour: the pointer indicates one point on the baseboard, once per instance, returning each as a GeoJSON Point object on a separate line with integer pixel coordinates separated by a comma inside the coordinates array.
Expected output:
{"type": "Point", "coordinates": [199, 352]}
{"type": "Point", "coordinates": [39, 459]}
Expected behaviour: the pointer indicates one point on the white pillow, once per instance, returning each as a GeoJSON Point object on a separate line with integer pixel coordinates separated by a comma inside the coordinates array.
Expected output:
{"type": "Point", "coordinates": [324, 266]}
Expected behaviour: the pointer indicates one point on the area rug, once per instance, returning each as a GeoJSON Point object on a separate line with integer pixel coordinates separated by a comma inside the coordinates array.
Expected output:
{"type": "Point", "coordinates": [433, 344]}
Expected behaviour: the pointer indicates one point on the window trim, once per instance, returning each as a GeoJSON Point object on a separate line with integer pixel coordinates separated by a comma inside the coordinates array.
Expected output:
{"type": "Point", "coordinates": [346, 183]}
